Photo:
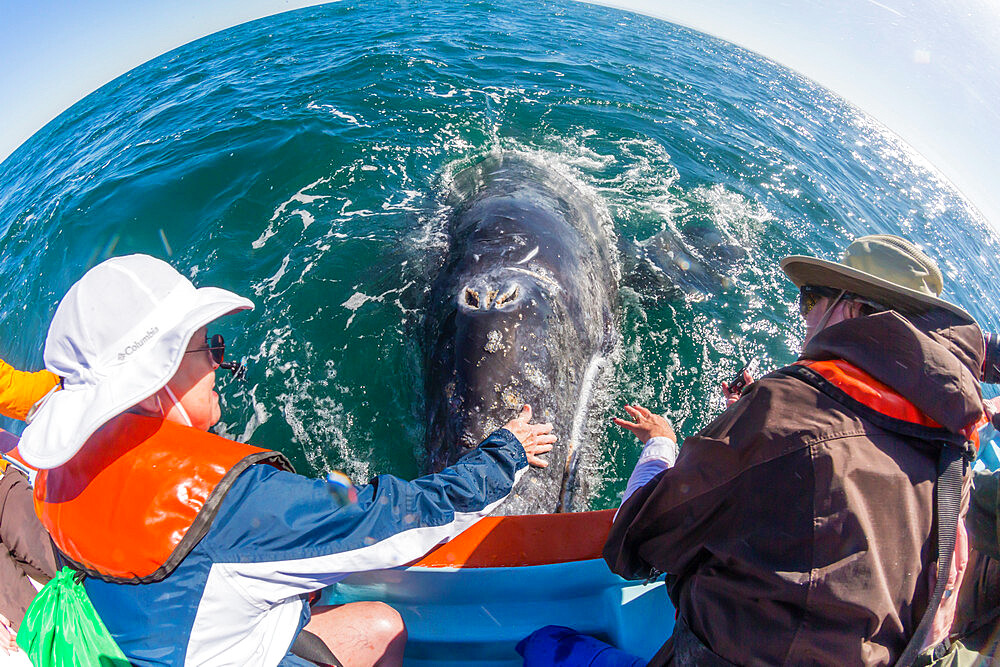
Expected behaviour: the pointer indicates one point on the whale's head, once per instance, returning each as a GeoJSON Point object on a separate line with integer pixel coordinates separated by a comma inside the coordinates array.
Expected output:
{"type": "Point", "coordinates": [501, 337]}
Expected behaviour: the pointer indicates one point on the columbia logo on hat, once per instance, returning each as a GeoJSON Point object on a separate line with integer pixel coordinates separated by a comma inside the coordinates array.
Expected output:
{"type": "Point", "coordinates": [134, 347]}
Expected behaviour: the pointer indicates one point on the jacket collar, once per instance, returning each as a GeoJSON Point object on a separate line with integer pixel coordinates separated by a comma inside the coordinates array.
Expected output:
{"type": "Point", "coordinates": [932, 360]}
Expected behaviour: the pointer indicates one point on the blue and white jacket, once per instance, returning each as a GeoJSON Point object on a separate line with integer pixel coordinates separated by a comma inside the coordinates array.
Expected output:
{"type": "Point", "coordinates": [239, 596]}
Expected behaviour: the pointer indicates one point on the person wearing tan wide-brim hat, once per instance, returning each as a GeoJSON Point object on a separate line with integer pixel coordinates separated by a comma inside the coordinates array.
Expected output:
{"type": "Point", "coordinates": [886, 269]}
{"type": "Point", "coordinates": [804, 516]}
{"type": "Point", "coordinates": [876, 273]}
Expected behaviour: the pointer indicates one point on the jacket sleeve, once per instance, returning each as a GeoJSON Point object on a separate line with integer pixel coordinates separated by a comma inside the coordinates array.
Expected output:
{"type": "Point", "coordinates": [20, 530]}
{"type": "Point", "coordinates": [278, 534]}
{"type": "Point", "coordinates": [662, 526]}
{"type": "Point", "coordinates": [19, 390]}
{"type": "Point", "coordinates": [658, 454]}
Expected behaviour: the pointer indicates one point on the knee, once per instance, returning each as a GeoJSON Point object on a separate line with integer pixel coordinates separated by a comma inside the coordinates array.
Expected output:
{"type": "Point", "coordinates": [386, 623]}
{"type": "Point", "coordinates": [362, 633]}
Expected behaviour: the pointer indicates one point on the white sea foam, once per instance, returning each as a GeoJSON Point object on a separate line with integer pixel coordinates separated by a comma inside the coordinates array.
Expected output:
{"type": "Point", "coordinates": [307, 404]}
{"type": "Point", "coordinates": [259, 415]}
{"type": "Point", "coordinates": [345, 214]}
{"type": "Point", "coordinates": [450, 92]}
{"type": "Point", "coordinates": [358, 299]}
{"type": "Point", "coordinates": [329, 108]}
{"type": "Point", "coordinates": [272, 282]}
{"type": "Point", "coordinates": [737, 218]}
{"type": "Point", "coordinates": [300, 197]}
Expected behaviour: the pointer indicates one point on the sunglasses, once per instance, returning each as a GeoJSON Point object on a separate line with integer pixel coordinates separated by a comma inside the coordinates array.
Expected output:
{"type": "Point", "coordinates": [216, 346]}
{"type": "Point", "coordinates": [810, 295]}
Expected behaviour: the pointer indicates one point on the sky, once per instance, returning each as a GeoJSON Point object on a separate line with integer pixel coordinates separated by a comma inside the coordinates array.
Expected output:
{"type": "Point", "coordinates": [928, 69]}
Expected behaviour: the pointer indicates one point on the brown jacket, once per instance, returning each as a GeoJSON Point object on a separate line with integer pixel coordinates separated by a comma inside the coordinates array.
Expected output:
{"type": "Point", "coordinates": [798, 523]}
{"type": "Point", "coordinates": [25, 547]}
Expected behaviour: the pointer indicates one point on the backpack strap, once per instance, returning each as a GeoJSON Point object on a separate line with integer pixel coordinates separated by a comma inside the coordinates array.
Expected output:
{"type": "Point", "coordinates": [948, 500]}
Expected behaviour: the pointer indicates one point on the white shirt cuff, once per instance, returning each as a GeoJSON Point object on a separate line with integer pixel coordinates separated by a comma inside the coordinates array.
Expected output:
{"type": "Point", "coordinates": [660, 448]}
{"type": "Point", "coordinates": [658, 455]}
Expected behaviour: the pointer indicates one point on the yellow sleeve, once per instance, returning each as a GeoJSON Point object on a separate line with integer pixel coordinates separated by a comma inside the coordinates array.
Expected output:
{"type": "Point", "coordinates": [19, 390]}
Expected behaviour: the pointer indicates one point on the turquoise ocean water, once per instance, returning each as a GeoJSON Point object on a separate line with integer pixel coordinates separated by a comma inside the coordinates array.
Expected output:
{"type": "Point", "coordinates": [304, 159]}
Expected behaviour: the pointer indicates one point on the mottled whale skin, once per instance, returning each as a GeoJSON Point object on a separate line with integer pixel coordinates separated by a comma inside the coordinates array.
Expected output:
{"type": "Point", "coordinates": [523, 311]}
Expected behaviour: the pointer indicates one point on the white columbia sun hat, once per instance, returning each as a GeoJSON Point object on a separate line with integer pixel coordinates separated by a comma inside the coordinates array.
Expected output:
{"type": "Point", "coordinates": [117, 337]}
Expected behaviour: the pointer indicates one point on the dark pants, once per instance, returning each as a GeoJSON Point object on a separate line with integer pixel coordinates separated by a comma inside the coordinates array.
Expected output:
{"type": "Point", "coordinates": [27, 549]}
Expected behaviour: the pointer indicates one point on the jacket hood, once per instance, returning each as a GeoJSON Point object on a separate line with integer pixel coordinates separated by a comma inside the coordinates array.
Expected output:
{"type": "Point", "coordinates": [933, 359]}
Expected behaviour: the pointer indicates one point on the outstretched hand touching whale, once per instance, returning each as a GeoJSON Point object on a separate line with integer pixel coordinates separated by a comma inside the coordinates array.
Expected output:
{"type": "Point", "coordinates": [646, 425]}
{"type": "Point", "coordinates": [536, 439]}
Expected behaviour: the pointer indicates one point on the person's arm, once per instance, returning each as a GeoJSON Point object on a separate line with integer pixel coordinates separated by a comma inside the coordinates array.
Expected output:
{"type": "Point", "coordinates": [659, 450]}
{"type": "Point", "coordinates": [20, 390]}
{"type": "Point", "coordinates": [658, 454]}
{"type": "Point", "coordinates": [278, 535]}
{"type": "Point", "coordinates": [662, 525]}
{"type": "Point", "coordinates": [20, 530]}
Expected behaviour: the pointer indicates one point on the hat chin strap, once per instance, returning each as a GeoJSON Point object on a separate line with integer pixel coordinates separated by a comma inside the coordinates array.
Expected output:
{"type": "Point", "coordinates": [177, 404]}
{"type": "Point", "coordinates": [819, 325]}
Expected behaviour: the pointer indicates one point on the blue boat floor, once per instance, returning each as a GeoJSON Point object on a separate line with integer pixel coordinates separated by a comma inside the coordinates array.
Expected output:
{"type": "Point", "coordinates": [476, 616]}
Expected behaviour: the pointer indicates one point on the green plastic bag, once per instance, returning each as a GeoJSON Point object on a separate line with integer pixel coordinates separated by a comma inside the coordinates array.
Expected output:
{"type": "Point", "coordinates": [62, 629]}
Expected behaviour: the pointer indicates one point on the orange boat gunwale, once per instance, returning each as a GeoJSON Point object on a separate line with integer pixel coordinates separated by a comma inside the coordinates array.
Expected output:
{"type": "Point", "coordinates": [522, 541]}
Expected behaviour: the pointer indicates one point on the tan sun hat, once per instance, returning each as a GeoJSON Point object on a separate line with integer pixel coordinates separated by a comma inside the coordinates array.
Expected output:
{"type": "Point", "coordinates": [886, 269]}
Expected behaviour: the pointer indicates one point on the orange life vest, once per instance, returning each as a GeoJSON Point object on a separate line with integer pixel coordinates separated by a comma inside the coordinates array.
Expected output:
{"type": "Point", "coordinates": [865, 389]}
{"type": "Point", "coordinates": [139, 495]}
{"type": "Point", "coordinates": [879, 396]}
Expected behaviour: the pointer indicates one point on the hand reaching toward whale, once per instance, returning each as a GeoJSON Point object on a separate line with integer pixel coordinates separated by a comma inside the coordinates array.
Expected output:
{"type": "Point", "coordinates": [646, 424]}
{"type": "Point", "coordinates": [657, 455]}
{"type": "Point", "coordinates": [536, 439]}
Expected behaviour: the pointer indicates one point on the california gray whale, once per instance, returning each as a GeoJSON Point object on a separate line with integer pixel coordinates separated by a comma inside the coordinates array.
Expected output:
{"type": "Point", "coordinates": [522, 311]}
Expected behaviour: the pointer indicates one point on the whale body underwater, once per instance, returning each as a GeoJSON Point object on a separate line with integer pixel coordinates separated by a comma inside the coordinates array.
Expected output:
{"type": "Point", "coordinates": [522, 311]}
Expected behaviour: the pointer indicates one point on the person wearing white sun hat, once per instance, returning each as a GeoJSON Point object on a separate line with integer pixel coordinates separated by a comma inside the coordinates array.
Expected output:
{"type": "Point", "coordinates": [198, 549]}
